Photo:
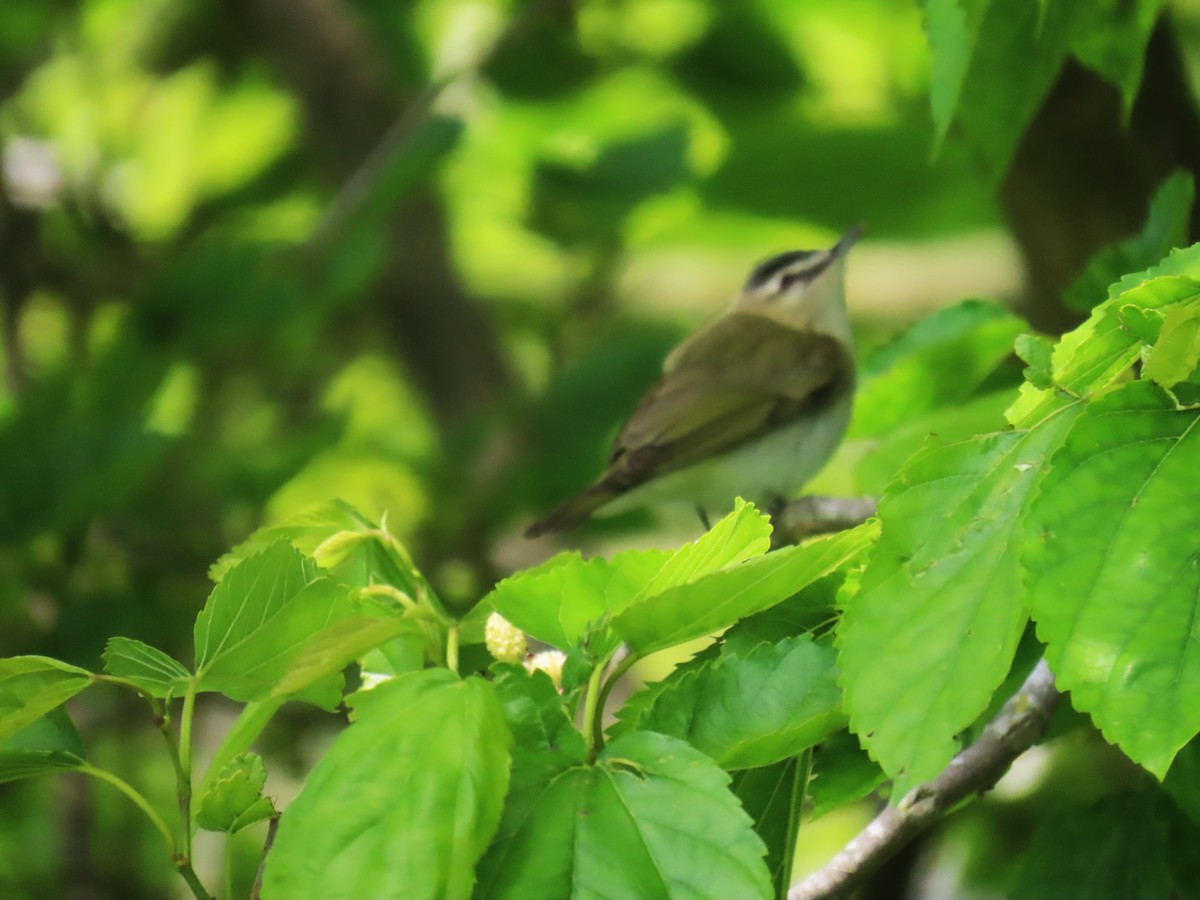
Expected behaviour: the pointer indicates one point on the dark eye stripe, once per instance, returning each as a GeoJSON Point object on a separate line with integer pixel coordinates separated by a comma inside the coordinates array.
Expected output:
{"type": "Point", "coordinates": [768, 269]}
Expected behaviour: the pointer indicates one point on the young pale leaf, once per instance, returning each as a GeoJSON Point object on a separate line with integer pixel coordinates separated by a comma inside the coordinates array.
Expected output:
{"type": "Point", "coordinates": [259, 618]}
{"type": "Point", "coordinates": [557, 601]}
{"type": "Point", "coordinates": [234, 799]}
{"type": "Point", "coordinates": [1165, 229]}
{"type": "Point", "coordinates": [932, 630]}
{"type": "Point", "coordinates": [723, 597]}
{"type": "Point", "coordinates": [404, 802]}
{"type": "Point", "coordinates": [757, 709]}
{"type": "Point", "coordinates": [1110, 548]}
{"type": "Point", "coordinates": [148, 667]}
{"type": "Point", "coordinates": [305, 531]}
{"type": "Point", "coordinates": [1176, 352]}
{"type": "Point", "coordinates": [31, 686]}
{"type": "Point", "coordinates": [652, 819]}
{"type": "Point", "coordinates": [49, 745]}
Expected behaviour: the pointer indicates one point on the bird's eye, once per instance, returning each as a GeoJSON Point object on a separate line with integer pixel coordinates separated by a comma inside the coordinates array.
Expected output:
{"type": "Point", "coordinates": [787, 279]}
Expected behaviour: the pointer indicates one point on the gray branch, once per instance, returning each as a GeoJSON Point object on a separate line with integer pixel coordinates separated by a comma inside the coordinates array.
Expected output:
{"type": "Point", "coordinates": [810, 516]}
{"type": "Point", "coordinates": [1018, 725]}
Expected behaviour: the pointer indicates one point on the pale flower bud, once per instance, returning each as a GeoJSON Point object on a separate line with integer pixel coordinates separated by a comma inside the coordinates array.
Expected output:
{"type": "Point", "coordinates": [505, 641]}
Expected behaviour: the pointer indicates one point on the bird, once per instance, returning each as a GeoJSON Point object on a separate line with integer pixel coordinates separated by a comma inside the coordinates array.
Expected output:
{"type": "Point", "coordinates": [752, 405]}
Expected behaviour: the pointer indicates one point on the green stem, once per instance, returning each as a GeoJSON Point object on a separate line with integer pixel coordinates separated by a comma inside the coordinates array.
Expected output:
{"type": "Point", "coordinates": [452, 648]}
{"type": "Point", "coordinates": [141, 802]}
{"type": "Point", "coordinates": [597, 699]}
{"type": "Point", "coordinates": [185, 765]}
{"type": "Point", "coordinates": [800, 781]}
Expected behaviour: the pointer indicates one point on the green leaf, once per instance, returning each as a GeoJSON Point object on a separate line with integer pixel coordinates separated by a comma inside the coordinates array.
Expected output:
{"type": "Point", "coordinates": [404, 802]}
{"type": "Point", "coordinates": [653, 818]}
{"type": "Point", "coordinates": [932, 630]}
{"type": "Point", "coordinates": [148, 667]}
{"type": "Point", "coordinates": [1110, 549]}
{"type": "Point", "coordinates": [843, 772]}
{"type": "Point", "coordinates": [334, 648]}
{"type": "Point", "coordinates": [1114, 850]}
{"type": "Point", "coordinates": [757, 709]}
{"type": "Point", "coordinates": [234, 799]}
{"type": "Point", "coordinates": [1183, 780]}
{"type": "Point", "coordinates": [1101, 350]}
{"type": "Point", "coordinates": [305, 531]}
{"type": "Point", "coordinates": [1165, 229]}
{"type": "Point", "coordinates": [558, 601]}
{"type": "Point", "coordinates": [940, 361]}
{"type": "Point", "coordinates": [49, 745]}
{"type": "Point", "coordinates": [31, 686]}
{"type": "Point", "coordinates": [259, 618]}
{"type": "Point", "coordinates": [1036, 352]}
{"type": "Point", "coordinates": [249, 724]}
{"type": "Point", "coordinates": [766, 794]}
{"type": "Point", "coordinates": [1176, 352]}
{"type": "Point", "coordinates": [994, 62]}
{"type": "Point", "coordinates": [718, 600]}
{"type": "Point", "coordinates": [545, 741]}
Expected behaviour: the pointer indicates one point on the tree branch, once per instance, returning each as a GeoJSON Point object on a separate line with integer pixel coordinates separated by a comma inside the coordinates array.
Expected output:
{"type": "Point", "coordinates": [810, 516]}
{"type": "Point", "coordinates": [1018, 725]}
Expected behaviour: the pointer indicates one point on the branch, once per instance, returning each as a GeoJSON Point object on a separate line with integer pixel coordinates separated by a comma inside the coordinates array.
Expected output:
{"type": "Point", "coordinates": [1018, 725]}
{"type": "Point", "coordinates": [810, 516]}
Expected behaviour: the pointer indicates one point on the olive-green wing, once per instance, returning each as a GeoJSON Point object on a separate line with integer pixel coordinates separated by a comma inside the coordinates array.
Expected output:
{"type": "Point", "coordinates": [740, 378]}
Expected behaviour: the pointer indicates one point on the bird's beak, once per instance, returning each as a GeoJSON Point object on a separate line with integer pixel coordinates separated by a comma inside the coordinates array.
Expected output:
{"type": "Point", "coordinates": [848, 240]}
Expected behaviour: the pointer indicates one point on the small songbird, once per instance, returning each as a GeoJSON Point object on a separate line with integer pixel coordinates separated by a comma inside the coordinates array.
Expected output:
{"type": "Point", "coordinates": [750, 406]}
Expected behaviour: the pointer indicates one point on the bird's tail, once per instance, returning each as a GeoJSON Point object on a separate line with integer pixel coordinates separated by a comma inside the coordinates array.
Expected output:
{"type": "Point", "coordinates": [574, 511]}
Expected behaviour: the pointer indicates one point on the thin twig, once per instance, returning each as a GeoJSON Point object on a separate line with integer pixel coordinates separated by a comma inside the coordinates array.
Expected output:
{"type": "Point", "coordinates": [1018, 725]}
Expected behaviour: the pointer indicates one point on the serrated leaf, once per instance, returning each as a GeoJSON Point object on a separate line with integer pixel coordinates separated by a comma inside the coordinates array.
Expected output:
{"type": "Point", "coordinates": [757, 709]}
{"type": "Point", "coordinates": [766, 794]}
{"type": "Point", "coordinates": [932, 630]}
{"type": "Point", "coordinates": [1145, 324]}
{"type": "Point", "coordinates": [31, 686]}
{"type": "Point", "coordinates": [939, 361]}
{"type": "Point", "coordinates": [1035, 351]}
{"type": "Point", "coordinates": [258, 619]}
{"type": "Point", "coordinates": [334, 648]}
{"type": "Point", "coordinates": [1165, 229]}
{"type": "Point", "coordinates": [545, 741]}
{"type": "Point", "coordinates": [149, 668]}
{"type": "Point", "coordinates": [234, 799]}
{"type": "Point", "coordinates": [404, 802]}
{"type": "Point", "coordinates": [843, 772]}
{"type": "Point", "coordinates": [49, 745]}
{"type": "Point", "coordinates": [1101, 350]}
{"type": "Point", "coordinates": [1176, 352]}
{"type": "Point", "coordinates": [1111, 548]}
{"type": "Point", "coordinates": [305, 531]}
{"type": "Point", "coordinates": [718, 600]}
{"type": "Point", "coordinates": [559, 600]}
{"type": "Point", "coordinates": [652, 819]}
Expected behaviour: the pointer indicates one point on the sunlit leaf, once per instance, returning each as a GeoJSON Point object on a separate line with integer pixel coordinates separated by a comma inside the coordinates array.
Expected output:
{"type": "Point", "coordinates": [31, 686]}
{"type": "Point", "coordinates": [933, 628]}
{"type": "Point", "coordinates": [147, 667]}
{"type": "Point", "coordinates": [719, 599]}
{"type": "Point", "coordinates": [1111, 549]}
{"type": "Point", "coordinates": [404, 802]}
{"type": "Point", "coordinates": [756, 709]}
{"type": "Point", "coordinates": [653, 818]}
{"type": "Point", "coordinates": [50, 744]}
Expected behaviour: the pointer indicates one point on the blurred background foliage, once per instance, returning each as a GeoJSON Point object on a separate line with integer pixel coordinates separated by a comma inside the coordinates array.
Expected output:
{"type": "Point", "coordinates": [425, 254]}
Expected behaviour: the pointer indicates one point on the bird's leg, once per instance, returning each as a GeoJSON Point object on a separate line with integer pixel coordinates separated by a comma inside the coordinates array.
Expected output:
{"type": "Point", "coordinates": [700, 511]}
